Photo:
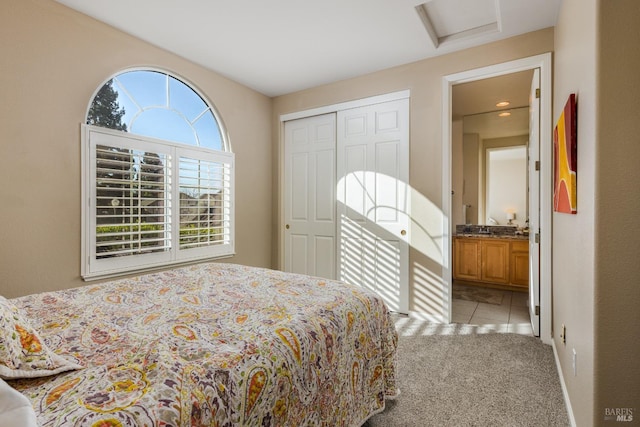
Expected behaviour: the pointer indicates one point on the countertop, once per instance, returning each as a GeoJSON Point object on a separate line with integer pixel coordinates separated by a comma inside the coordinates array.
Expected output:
{"type": "Point", "coordinates": [494, 236]}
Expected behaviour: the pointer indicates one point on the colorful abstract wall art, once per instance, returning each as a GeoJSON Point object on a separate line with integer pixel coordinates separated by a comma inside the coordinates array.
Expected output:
{"type": "Point", "coordinates": [565, 146]}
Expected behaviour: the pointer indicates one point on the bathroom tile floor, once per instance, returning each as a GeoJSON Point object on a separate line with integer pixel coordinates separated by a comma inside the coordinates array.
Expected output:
{"type": "Point", "coordinates": [510, 316]}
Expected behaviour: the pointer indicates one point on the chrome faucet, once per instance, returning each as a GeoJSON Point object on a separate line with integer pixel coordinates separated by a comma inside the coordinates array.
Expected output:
{"type": "Point", "coordinates": [484, 230]}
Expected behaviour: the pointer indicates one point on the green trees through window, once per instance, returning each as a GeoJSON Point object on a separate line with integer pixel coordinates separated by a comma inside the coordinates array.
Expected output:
{"type": "Point", "coordinates": [105, 111]}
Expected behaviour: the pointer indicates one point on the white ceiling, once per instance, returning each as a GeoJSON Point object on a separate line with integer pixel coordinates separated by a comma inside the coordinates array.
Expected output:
{"type": "Point", "coordinates": [282, 46]}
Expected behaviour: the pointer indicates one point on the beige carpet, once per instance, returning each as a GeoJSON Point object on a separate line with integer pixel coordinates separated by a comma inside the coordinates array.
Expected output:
{"type": "Point", "coordinates": [478, 294]}
{"type": "Point", "coordinates": [452, 375]}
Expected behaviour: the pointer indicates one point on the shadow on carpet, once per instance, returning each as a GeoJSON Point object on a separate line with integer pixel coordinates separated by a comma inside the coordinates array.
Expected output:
{"type": "Point", "coordinates": [449, 375]}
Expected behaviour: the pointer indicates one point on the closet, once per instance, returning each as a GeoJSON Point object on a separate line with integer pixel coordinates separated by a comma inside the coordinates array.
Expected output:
{"type": "Point", "coordinates": [346, 196]}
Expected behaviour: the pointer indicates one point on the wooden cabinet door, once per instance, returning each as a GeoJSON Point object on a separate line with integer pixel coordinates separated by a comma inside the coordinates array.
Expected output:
{"type": "Point", "coordinates": [495, 261]}
{"type": "Point", "coordinates": [466, 261]}
{"type": "Point", "coordinates": [520, 263]}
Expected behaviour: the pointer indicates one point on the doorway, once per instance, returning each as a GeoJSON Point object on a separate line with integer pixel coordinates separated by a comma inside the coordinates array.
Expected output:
{"type": "Point", "coordinates": [489, 174]}
{"type": "Point", "coordinates": [543, 231]}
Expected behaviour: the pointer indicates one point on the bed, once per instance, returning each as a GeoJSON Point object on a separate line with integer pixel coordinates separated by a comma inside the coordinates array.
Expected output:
{"type": "Point", "coordinates": [204, 345]}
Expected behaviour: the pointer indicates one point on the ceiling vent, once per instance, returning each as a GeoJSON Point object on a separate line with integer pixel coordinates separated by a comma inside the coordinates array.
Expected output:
{"type": "Point", "coordinates": [454, 20]}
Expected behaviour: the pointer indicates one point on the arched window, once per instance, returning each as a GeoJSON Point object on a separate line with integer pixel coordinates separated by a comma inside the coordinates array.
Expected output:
{"type": "Point", "coordinates": [158, 176]}
{"type": "Point", "coordinates": [157, 105]}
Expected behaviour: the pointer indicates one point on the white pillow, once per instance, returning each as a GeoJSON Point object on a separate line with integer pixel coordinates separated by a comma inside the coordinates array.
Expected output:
{"type": "Point", "coordinates": [15, 408]}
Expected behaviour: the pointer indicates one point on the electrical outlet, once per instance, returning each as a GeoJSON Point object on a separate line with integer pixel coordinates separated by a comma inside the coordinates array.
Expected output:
{"type": "Point", "coordinates": [575, 363]}
{"type": "Point", "coordinates": [563, 334]}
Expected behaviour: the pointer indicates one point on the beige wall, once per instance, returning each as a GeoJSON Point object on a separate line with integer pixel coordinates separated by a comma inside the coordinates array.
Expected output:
{"type": "Point", "coordinates": [573, 239]}
{"type": "Point", "coordinates": [53, 59]}
{"type": "Point", "coordinates": [617, 195]}
{"type": "Point", "coordinates": [596, 269]}
{"type": "Point", "coordinates": [424, 79]}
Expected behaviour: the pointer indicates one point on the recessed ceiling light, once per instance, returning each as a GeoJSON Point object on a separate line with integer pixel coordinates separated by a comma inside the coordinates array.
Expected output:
{"type": "Point", "coordinates": [502, 104]}
{"type": "Point", "coordinates": [505, 114]}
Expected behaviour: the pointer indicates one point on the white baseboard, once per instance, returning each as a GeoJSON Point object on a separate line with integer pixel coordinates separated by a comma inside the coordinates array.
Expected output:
{"type": "Point", "coordinates": [565, 392]}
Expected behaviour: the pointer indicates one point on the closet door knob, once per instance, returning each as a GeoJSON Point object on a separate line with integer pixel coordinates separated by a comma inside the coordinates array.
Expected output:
{"type": "Point", "coordinates": [403, 232]}
{"type": "Point", "coordinates": [286, 226]}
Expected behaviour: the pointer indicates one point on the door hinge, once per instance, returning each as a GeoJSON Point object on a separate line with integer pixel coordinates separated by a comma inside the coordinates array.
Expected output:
{"type": "Point", "coordinates": [537, 165]}
{"type": "Point", "coordinates": [536, 238]}
{"type": "Point", "coordinates": [537, 92]}
{"type": "Point", "coordinates": [537, 310]}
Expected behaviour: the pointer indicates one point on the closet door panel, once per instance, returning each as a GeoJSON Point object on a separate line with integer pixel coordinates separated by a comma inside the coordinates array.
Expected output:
{"type": "Point", "coordinates": [325, 194]}
{"type": "Point", "coordinates": [373, 200]}
{"type": "Point", "coordinates": [299, 194]}
{"type": "Point", "coordinates": [309, 196]}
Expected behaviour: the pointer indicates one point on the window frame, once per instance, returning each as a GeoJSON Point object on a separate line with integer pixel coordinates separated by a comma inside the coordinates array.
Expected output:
{"type": "Point", "coordinates": [225, 139]}
{"type": "Point", "coordinates": [93, 268]}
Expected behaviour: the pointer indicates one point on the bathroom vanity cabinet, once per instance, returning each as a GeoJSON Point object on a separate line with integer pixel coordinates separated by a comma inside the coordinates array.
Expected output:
{"type": "Point", "coordinates": [498, 262]}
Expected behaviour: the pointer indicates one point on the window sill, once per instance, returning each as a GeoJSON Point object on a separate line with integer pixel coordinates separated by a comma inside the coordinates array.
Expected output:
{"type": "Point", "coordinates": [149, 269]}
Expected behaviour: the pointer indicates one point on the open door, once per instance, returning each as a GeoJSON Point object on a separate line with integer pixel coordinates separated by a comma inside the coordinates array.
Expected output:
{"type": "Point", "coordinates": [534, 203]}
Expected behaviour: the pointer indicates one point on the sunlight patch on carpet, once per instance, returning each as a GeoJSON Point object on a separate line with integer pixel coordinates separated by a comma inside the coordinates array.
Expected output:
{"type": "Point", "coordinates": [408, 326]}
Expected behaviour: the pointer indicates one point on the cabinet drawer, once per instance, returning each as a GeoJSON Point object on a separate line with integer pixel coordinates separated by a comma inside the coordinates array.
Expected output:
{"type": "Point", "coordinates": [520, 246]}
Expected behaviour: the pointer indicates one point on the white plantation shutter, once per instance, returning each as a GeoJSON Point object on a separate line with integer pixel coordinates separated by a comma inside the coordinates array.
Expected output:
{"type": "Point", "coordinates": [151, 203]}
{"type": "Point", "coordinates": [205, 198]}
{"type": "Point", "coordinates": [132, 202]}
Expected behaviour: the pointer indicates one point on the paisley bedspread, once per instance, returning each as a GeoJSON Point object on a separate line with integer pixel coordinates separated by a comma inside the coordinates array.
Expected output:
{"type": "Point", "coordinates": [213, 345]}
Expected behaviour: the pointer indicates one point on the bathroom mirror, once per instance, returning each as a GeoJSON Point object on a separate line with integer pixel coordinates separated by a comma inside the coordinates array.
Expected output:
{"type": "Point", "coordinates": [494, 168]}
{"type": "Point", "coordinates": [506, 185]}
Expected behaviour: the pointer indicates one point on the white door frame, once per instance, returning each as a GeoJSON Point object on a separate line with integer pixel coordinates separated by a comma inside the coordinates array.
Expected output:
{"type": "Point", "coordinates": [543, 62]}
